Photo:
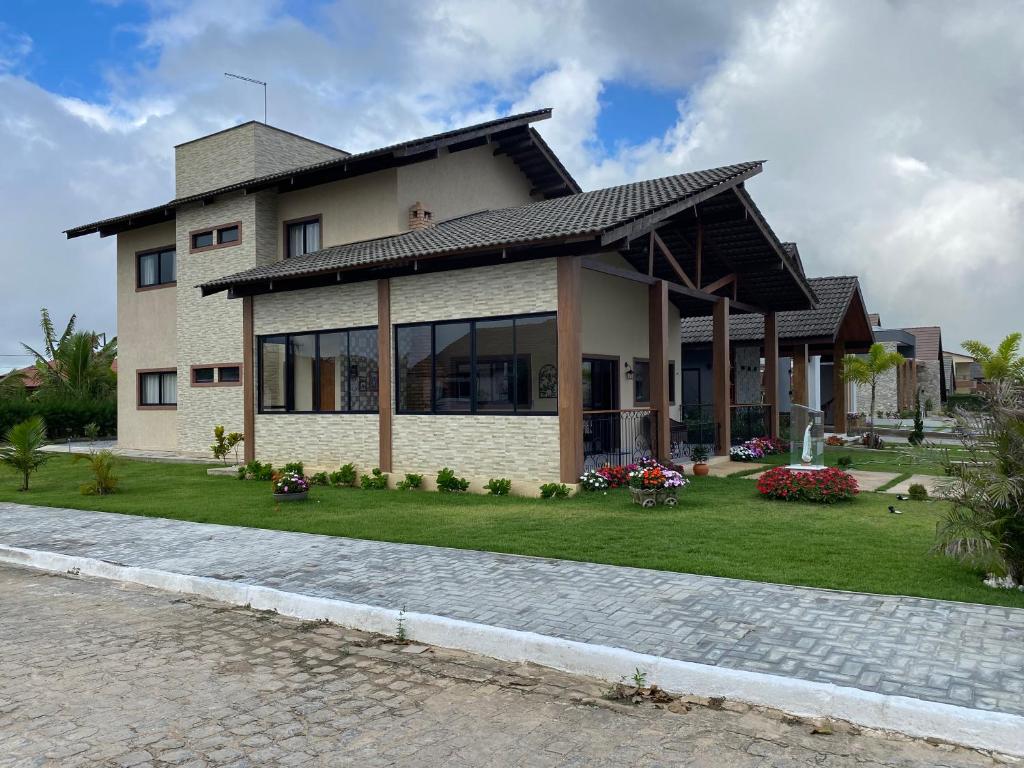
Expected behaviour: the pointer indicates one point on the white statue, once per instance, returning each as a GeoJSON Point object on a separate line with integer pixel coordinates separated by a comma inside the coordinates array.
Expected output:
{"type": "Point", "coordinates": [806, 456]}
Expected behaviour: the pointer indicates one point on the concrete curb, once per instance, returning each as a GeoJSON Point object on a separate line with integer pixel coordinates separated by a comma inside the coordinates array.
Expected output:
{"type": "Point", "coordinates": [995, 731]}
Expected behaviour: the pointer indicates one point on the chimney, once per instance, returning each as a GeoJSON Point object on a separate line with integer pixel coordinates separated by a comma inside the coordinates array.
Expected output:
{"type": "Point", "coordinates": [420, 217]}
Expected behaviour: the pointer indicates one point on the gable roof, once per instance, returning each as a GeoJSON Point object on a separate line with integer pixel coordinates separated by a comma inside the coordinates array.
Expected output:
{"type": "Point", "coordinates": [929, 342]}
{"type": "Point", "coordinates": [835, 295]}
{"type": "Point", "coordinates": [355, 164]}
{"type": "Point", "coordinates": [584, 213]}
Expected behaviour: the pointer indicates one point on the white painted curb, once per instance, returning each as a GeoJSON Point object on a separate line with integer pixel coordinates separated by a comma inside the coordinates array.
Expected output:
{"type": "Point", "coordinates": [996, 731]}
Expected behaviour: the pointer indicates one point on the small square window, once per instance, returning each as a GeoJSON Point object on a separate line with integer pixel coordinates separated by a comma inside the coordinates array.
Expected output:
{"type": "Point", "coordinates": [202, 375]}
{"type": "Point", "coordinates": [229, 374]}
{"type": "Point", "coordinates": [227, 235]}
{"type": "Point", "coordinates": [202, 240]}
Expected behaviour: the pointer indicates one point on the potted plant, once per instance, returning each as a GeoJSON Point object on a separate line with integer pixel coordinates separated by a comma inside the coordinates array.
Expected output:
{"type": "Point", "coordinates": [699, 454]}
{"type": "Point", "coordinates": [290, 487]}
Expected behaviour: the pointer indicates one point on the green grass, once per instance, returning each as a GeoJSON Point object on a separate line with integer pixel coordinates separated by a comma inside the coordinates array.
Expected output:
{"type": "Point", "coordinates": [721, 527]}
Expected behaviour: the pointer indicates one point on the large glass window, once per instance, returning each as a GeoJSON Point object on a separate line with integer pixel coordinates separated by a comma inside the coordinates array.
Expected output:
{"type": "Point", "coordinates": [303, 237]}
{"type": "Point", "coordinates": [322, 372]}
{"type": "Point", "coordinates": [158, 388]}
{"type": "Point", "coordinates": [155, 268]}
{"type": "Point", "coordinates": [498, 365]}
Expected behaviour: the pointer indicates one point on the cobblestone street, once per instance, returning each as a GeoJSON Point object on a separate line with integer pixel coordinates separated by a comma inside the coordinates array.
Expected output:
{"type": "Point", "coordinates": [97, 673]}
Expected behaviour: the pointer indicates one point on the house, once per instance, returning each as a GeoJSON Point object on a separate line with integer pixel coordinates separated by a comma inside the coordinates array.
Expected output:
{"type": "Point", "coordinates": [455, 300]}
{"type": "Point", "coordinates": [809, 342]}
{"type": "Point", "coordinates": [28, 377]}
{"type": "Point", "coordinates": [963, 373]}
{"type": "Point", "coordinates": [923, 371]}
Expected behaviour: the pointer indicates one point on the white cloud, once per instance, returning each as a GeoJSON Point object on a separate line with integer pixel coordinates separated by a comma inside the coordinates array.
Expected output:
{"type": "Point", "coordinates": [15, 46]}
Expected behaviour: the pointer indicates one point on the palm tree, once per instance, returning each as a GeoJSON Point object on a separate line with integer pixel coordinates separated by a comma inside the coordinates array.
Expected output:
{"type": "Point", "coordinates": [76, 363]}
{"type": "Point", "coordinates": [867, 370]}
{"type": "Point", "coordinates": [1002, 363]}
{"type": "Point", "coordinates": [22, 446]}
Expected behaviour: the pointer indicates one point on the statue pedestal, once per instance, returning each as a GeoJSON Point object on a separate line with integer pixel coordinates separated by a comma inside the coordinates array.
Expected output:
{"type": "Point", "coordinates": [805, 467]}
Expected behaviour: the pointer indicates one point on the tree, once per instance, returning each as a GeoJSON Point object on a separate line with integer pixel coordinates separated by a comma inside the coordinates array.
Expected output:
{"type": "Point", "coordinates": [1004, 362]}
{"type": "Point", "coordinates": [76, 363]}
{"type": "Point", "coordinates": [984, 524]}
{"type": "Point", "coordinates": [867, 371]}
{"type": "Point", "coordinates": [22, 448]}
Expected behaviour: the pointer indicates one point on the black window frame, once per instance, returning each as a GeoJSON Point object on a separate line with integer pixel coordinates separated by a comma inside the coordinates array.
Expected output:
{"type": "Point", "coordinates": [213, 375]}
{"type": "Point", "coordinates": [167, 251]}
{"type": "Point", "coordinates": [160, 387]}
{"type": "Point", "coordinates": [289, 373]}
{"type": "Point", "coordinates": [473, 410]}
{"type": "Point", "coordinates": [220, 374]}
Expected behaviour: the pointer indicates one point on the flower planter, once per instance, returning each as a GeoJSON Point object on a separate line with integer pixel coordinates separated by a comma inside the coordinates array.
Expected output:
{"type": "Point", "coordinates": [301, 496]}
{"type": "Point", "coordinates": [701, 470]}
{"type": "Point", "coordinates": [650, 497]}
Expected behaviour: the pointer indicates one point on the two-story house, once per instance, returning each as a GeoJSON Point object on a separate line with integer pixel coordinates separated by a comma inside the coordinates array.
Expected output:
{"type": "Point", "coordinates": [452, 300]}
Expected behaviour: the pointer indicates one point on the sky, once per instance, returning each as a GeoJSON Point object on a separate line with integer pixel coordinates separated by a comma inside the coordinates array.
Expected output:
{"type": "Point", "coordinates": [892, 129]}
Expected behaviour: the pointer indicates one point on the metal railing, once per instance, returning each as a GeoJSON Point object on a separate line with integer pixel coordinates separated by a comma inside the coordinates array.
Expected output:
{"type": "Point", "coordinates": [618, 437]}
{"type": "Point", "coordinates": [696, 426]}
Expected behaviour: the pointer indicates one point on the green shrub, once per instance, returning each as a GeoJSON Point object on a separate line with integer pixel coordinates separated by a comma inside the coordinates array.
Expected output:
{"type": "Point", "coordinates": [101, 464]}
{"type": "Point", "coordinates": [554, 491]}
{"type": "Point", "coordinates": [254, 470]}
{"type": "Point", "coordinates": [375, 481]}
{"type": "Point", "coordinates": [92, 431]}
{"type": "Point", "coordinates": [844, 462]}
{"type": "Point", "coordinates": [447, 482]}
{"type": "Point", "coordinates": [22, 448]}
{"type": "Point", "coordinates": [294, 468]}
{"type": "Point", "coordinates": [965, 402]}
{"type": "Point", "coordinates": [64, 415]}
{"type": "Point", "coordinates": [223, 444]}
{"type": "Point", "coordinates": [345, 477]}
{"type": "Point", "coordinates": [319, 478]}
{"type": "Point", "coordinates": [499, 486]}
{"type": "Point", "coordinates": [917, 492]}
{"type": "Point", "coordinates": [410, 483]}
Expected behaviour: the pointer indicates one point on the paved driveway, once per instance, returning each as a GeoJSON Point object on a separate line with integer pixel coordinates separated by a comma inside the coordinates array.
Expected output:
{"type": "Point", "coordinates": [95, 673]}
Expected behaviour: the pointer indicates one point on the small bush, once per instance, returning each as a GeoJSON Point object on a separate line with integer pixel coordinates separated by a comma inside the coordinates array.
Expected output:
{"type": "Point", "coordinates": [255, 470]}
{"type": "Point", "coordinates": [375, 481]}
{"type": "Point", "coordinates": [294, 468]}
{"type": "Point", "coordinates": [699, 454]}
{"type": "Point", "coordinates": [104, 480]}
{"type": "Point", "coordinates": [319, 478]}
{"type": "Point", "coordinates": [447, 482]}
{"type": "Point", "coordinates": [844, 462]}
{"type": "Point", "coordinates": [498, 486]}
{"type": "Point", "coordinates": [918, 492]}
{"type": "Point", "coordinates": [345, 477]}
{"type": "Point", "coordinates": [410, 483]}
{"type": "Point", "coordinates": [593, 480]}
{"type": "Point", "coordinates": [92, 431]}
{"type": "Point", "coordinates": [554, 491]}
{"type": "Point", "coordinates": [223, 444]}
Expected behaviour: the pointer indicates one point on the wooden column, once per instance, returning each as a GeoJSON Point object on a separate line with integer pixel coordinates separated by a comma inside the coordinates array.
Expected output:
{"type": "Point", "coordinates": [570, 368]}
{"type": "Point", "coordinates": [720, 377]}
{"type": "Point", "coordinates": [800, 395]}
{"type": "Point", "coordinates": [384, 368]}
{"type": "Point", "coordinates": [839, 387]}
{"type": "Point", "coordinates": [771, 371]}
{"type": "Point", "coordinates": [657, 336]}
{"type": "Point", "coordinates": [248, 382]}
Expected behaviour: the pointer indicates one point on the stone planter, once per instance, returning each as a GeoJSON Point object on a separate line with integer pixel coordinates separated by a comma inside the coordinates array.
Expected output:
{"type": "Point", "coordinates": [652, 497]}
{"type": "Point", "coordinates": [291, 496]}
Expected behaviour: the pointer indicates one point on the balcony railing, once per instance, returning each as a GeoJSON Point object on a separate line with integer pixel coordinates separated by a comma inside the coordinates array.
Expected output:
{"type": "Point", "coordinates": [618, 436]}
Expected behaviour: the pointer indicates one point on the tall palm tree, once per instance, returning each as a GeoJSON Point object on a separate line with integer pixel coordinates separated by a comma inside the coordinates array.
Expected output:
{"type": "Point", "coordinates": [76, 363]}
{"type": "Point", "coordinates": [868, 370]}
{"type": "Point", "coordinates": [1003, 363]}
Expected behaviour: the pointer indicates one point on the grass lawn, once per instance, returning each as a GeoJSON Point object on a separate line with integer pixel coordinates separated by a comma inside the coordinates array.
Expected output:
{"type": "Point", "coordinates": [901, 459]}
{"type": "Point", "coordinates": [721, 527]}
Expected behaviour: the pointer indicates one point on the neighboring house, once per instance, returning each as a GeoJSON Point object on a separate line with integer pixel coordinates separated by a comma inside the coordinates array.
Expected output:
{"type": "Point", "coordinates": [923, 371]}
{"type": "Point", "coordinates": [809, 343]}
{"type": "Point", "coordinates": [453, 300]}
{"type": "Point", "coordinates": [28, 376]}
{"type": "Point", "coordinates": [963, 373]}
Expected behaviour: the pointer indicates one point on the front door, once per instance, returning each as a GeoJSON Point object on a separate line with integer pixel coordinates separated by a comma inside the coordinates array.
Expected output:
{"type": "Point", "coordinates": [601, 399]}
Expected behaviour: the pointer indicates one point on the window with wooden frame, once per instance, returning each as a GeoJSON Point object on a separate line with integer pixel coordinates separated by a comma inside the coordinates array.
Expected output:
{"type": "Point", "coordinates": [221, 375]}
{"type": "Point", "coordinates": [302, 236]}
{"type": "Point", "coordinates": [215, 237]}
{"type": "Point", "coordinates": [157, 388]}
{"type": "Point", "coordinates": [155, 268]}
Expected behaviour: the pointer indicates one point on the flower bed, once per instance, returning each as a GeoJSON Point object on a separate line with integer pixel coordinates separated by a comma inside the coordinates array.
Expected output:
{"type": "Point", "coordinates": [290, 486]}
{"type": "Point", "coordinates": [757, 448]}
{"type": "Point", "coordinates": [826, 486]}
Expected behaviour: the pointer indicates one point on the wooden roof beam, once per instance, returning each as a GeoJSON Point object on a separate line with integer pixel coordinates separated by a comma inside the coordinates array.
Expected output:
{"type": "Point", "coordinates": [657, 241]}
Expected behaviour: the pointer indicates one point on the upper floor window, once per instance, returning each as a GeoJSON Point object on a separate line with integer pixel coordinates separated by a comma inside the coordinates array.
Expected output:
{"type": "Point", "coordinates": [155, 268]}
{"type": "Point", "coordinates": [495, 365]}
{"type": "Point", "coordinates": [215, 237]}
{"type": "Point", "coordinates": [302, 236]}
{"type": "Point", "coordinates": [158, 389]}
{"type": "Point", "coordinates": [216, 375]}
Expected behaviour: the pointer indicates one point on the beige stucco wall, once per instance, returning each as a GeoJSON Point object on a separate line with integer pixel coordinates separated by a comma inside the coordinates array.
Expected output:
{"type": "Point", "coordinates": [615, 323]}
{"type": "Point", "coordinates": [462, 182]}
{"type": "Point", "coordinates": [146, 339]}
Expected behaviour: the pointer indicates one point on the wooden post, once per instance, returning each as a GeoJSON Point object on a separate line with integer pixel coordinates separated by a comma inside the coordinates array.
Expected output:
{"type": "Point", "coordinates": [248, 382]}
{"type": "Point", "coordinates": [657, 336]}
{"type": "Point", "coordinates": [839, 387]}
{"type": "Point", "coordinates": [384, 368]}
{"type": "Point", "coordinates": [771, 371]}
{"type": "Point", "coordinates": [720, 377]}
{"type": "Point", "coordinates": [570, 368]}
{"type": "Point", "coordinates": [800, 395]}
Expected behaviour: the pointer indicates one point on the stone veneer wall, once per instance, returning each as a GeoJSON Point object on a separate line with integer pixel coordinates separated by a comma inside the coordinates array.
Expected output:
{"type": "Point", "coordinates": [928, 372]}
{"type": "Point", "coordinates": [748, 375]}
{"type": "Point", "coordinates": [886, 392]}
{"type": "Point", "coordinates": [517, 447]}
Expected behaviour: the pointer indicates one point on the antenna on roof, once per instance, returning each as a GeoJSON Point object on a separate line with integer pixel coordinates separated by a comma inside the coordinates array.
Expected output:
{"type": "Point", "coordinates": [257, 82]}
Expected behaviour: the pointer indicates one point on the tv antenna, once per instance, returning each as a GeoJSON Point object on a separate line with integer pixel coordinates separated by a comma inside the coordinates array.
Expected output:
{"type": "Point", "coordinates": [256, 82]}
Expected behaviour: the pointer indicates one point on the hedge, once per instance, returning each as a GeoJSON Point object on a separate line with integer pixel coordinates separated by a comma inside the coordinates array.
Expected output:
{"type": "Point", "coordinates": [64, 417]}
{"type": "Point", "coordinates": [968, 402]}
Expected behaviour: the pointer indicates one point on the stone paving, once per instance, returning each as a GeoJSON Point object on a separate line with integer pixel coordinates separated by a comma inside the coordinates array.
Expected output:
{"type": "Point", "coordinates": [94, 673]}
{"type": "Point", "coordinates": [956, 653]}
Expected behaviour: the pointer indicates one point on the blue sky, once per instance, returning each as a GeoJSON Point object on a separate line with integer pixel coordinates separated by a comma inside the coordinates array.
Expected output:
{"type": "Point", "coordinates": [894, 151]}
